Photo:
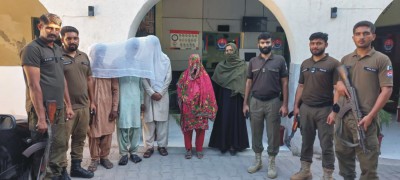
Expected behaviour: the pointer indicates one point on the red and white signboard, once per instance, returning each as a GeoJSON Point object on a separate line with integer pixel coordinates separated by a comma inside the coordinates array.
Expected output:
{"type": "Point", "coordinates": [184, 39]}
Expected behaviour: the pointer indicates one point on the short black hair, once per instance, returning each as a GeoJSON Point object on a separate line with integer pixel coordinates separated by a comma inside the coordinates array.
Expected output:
{"type": "Point", "coordinates": [48, 18]}
{"type": "Point", "coordinates": [264, 36]}
{"type": "Point", "coordinates": [365, 23]}
{"type": "Point", "coordinates": [67, 29]}
{"type": "Point", "coordinates": [319, 35]}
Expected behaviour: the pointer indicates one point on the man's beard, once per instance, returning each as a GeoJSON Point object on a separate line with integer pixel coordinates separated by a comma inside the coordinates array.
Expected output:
{"type": "Point", "coordinates": [72, 47]}
{"type": "Point", "coordinates": [265, 50]}
{"type": "Point", "coordinates": [318, 53]}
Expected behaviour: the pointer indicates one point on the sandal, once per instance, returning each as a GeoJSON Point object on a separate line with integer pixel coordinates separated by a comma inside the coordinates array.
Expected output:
{"type": "Point", "coordinates": [200, 154]}
{"type": "Point", "coordinates": [163, 151]}
{"type": "Point", "coordinates": [106, 163]}
{"type": "Point", "coordinates": [188, 154]}
{"type": "Point", "coordinates": [135, 158]}
{"type": "Point", "coordinates": [93, 165]}
{"type": "Point", "coordinates": [148, 153]}
{"type": "Point", "coordinates": [123, 160]}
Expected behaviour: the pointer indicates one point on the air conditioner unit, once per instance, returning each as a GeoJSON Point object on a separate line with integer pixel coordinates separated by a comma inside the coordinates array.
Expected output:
{"type": "Point", "coordinates": [247, 54]}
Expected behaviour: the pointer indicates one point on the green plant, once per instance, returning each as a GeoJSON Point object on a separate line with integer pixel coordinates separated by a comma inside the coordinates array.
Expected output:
{"type": "Point", "coordinates": [384, 117]}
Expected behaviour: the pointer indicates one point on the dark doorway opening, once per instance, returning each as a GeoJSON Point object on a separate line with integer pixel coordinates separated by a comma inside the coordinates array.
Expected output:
{"type": "Point", "coordinates": [388, 42]}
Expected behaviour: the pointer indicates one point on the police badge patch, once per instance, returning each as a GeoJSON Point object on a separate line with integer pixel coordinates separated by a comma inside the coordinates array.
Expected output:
{"type": "Point", "coordinates": [389, 71]}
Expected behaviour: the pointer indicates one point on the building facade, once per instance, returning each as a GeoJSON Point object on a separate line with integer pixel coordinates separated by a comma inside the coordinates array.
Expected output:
{"type": "Point", "coordinates": [292, 21]}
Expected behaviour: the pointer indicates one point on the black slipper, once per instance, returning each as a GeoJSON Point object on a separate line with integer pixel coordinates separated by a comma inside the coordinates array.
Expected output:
{"type": "Point", "coordinates": [135, 158]}
{"type": "Point", "coordinates": [123, 160]}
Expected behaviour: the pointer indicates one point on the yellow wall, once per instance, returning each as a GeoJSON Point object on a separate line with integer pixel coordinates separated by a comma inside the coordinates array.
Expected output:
{"type": "Point", "coordinates": [15, 28]}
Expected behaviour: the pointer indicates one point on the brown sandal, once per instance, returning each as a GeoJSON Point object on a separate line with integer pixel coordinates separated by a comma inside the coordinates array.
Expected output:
{"type": "Point", "coordinates": [93, 165]}
{"type": "Point", "coordinates": [148, 153]}
{"type": "Point", "coordinates": [106, 163]}
{"type": "Point", "coordinates": [163, 151]}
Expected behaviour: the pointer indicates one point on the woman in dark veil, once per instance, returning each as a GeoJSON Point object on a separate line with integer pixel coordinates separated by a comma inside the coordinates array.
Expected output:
{"type": "Point", "coordinates": [229, 129]}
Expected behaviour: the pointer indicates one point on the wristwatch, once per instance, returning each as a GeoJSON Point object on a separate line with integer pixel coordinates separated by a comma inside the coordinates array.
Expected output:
{"type": "Point", "coordinates": [336, 108]}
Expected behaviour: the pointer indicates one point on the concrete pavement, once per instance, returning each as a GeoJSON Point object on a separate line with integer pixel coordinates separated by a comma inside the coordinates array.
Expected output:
{"type": "Point", "coordinates": [214, 165]}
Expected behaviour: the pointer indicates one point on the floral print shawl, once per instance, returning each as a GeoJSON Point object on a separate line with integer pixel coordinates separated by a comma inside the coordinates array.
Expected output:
{"type": "Point", "coordinates": [196, 96]}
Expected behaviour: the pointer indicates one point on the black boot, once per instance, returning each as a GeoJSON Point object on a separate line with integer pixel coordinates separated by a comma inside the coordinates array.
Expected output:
{"type": "Point", "coordinates": [64, 174]}
{"type": "Point", "coordinates": [78, 171]}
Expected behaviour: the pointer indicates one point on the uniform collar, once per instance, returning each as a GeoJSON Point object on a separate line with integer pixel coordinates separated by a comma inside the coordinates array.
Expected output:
{"type": "Point", "coordinates": [269, 58]}
{"type": "Point", "coordinates": [65, 53]}
{"type": "Point", "coordinates": [370, 53]}
{"type": "Point", "coordinates": [323, 59]}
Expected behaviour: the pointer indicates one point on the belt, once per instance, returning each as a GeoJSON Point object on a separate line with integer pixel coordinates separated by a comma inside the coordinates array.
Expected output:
{"type": "Point", "coordinates": [265, 98]}
{"type": "Point", "coordinates": [58, 110]}
{"type": "Point", "coordinates": [321, 104]}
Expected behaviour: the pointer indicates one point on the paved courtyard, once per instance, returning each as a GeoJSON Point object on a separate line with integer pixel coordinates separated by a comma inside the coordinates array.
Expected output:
{"type": "Point", "coordinates": [214, 165]}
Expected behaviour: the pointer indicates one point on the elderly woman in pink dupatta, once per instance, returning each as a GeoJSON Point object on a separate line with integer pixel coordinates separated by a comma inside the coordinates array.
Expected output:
{"type": "Point", "coordinates": [197, 103]}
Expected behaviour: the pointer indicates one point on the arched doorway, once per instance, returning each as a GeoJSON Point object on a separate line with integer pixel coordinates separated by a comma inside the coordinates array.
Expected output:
{"type": "Point", "coordinates": [388, 42]}
{"type": "Point", "coordinates": [213, 23]}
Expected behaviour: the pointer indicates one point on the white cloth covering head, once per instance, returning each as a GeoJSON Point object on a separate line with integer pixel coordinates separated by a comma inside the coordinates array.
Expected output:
{"type": "Point", "coordinates": [140, 57]}
{"type": "Point", "coordinates": [162, 64]}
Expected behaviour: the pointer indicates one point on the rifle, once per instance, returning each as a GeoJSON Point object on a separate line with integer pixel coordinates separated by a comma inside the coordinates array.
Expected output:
{"type": "Point", "coordinates": [354, 107]}
{"type": "Point", "coordinates": [296, 124]}
{"type": "Point", "coordinates": [51, 108]}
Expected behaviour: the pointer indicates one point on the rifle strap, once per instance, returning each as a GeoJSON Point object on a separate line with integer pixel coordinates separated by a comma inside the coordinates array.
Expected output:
{"type": "Point", "coordinates": [339, 132]}
{"type": "Point", "coordinates": [343, 110]}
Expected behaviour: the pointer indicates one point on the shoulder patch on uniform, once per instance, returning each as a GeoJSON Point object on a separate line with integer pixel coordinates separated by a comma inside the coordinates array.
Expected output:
{"type": "Point", "coordinates": [389, 73]}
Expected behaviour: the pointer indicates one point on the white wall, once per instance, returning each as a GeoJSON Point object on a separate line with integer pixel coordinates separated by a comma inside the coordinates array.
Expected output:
{"type": "Point", "coordinates": [112, 22]}
{"type": "Point", "coordinates": [187, 18]}
{"type": "Point", "coordinates": [12, 90]}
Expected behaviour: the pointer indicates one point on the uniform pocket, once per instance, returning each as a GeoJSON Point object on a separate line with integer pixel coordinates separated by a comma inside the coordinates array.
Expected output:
{"type": "Point", "coordinates": [372, 134]}
{"type": "Point", "coordinates": [59, 138]}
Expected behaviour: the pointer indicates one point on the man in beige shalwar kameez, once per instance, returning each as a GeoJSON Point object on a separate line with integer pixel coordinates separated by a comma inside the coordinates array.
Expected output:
{"type": "Point", "coordinates": [156, 102]}
{"type": "Point", "coordinates": [102, 123]}
{"type": "Point", "coordinates": [106, 97]}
